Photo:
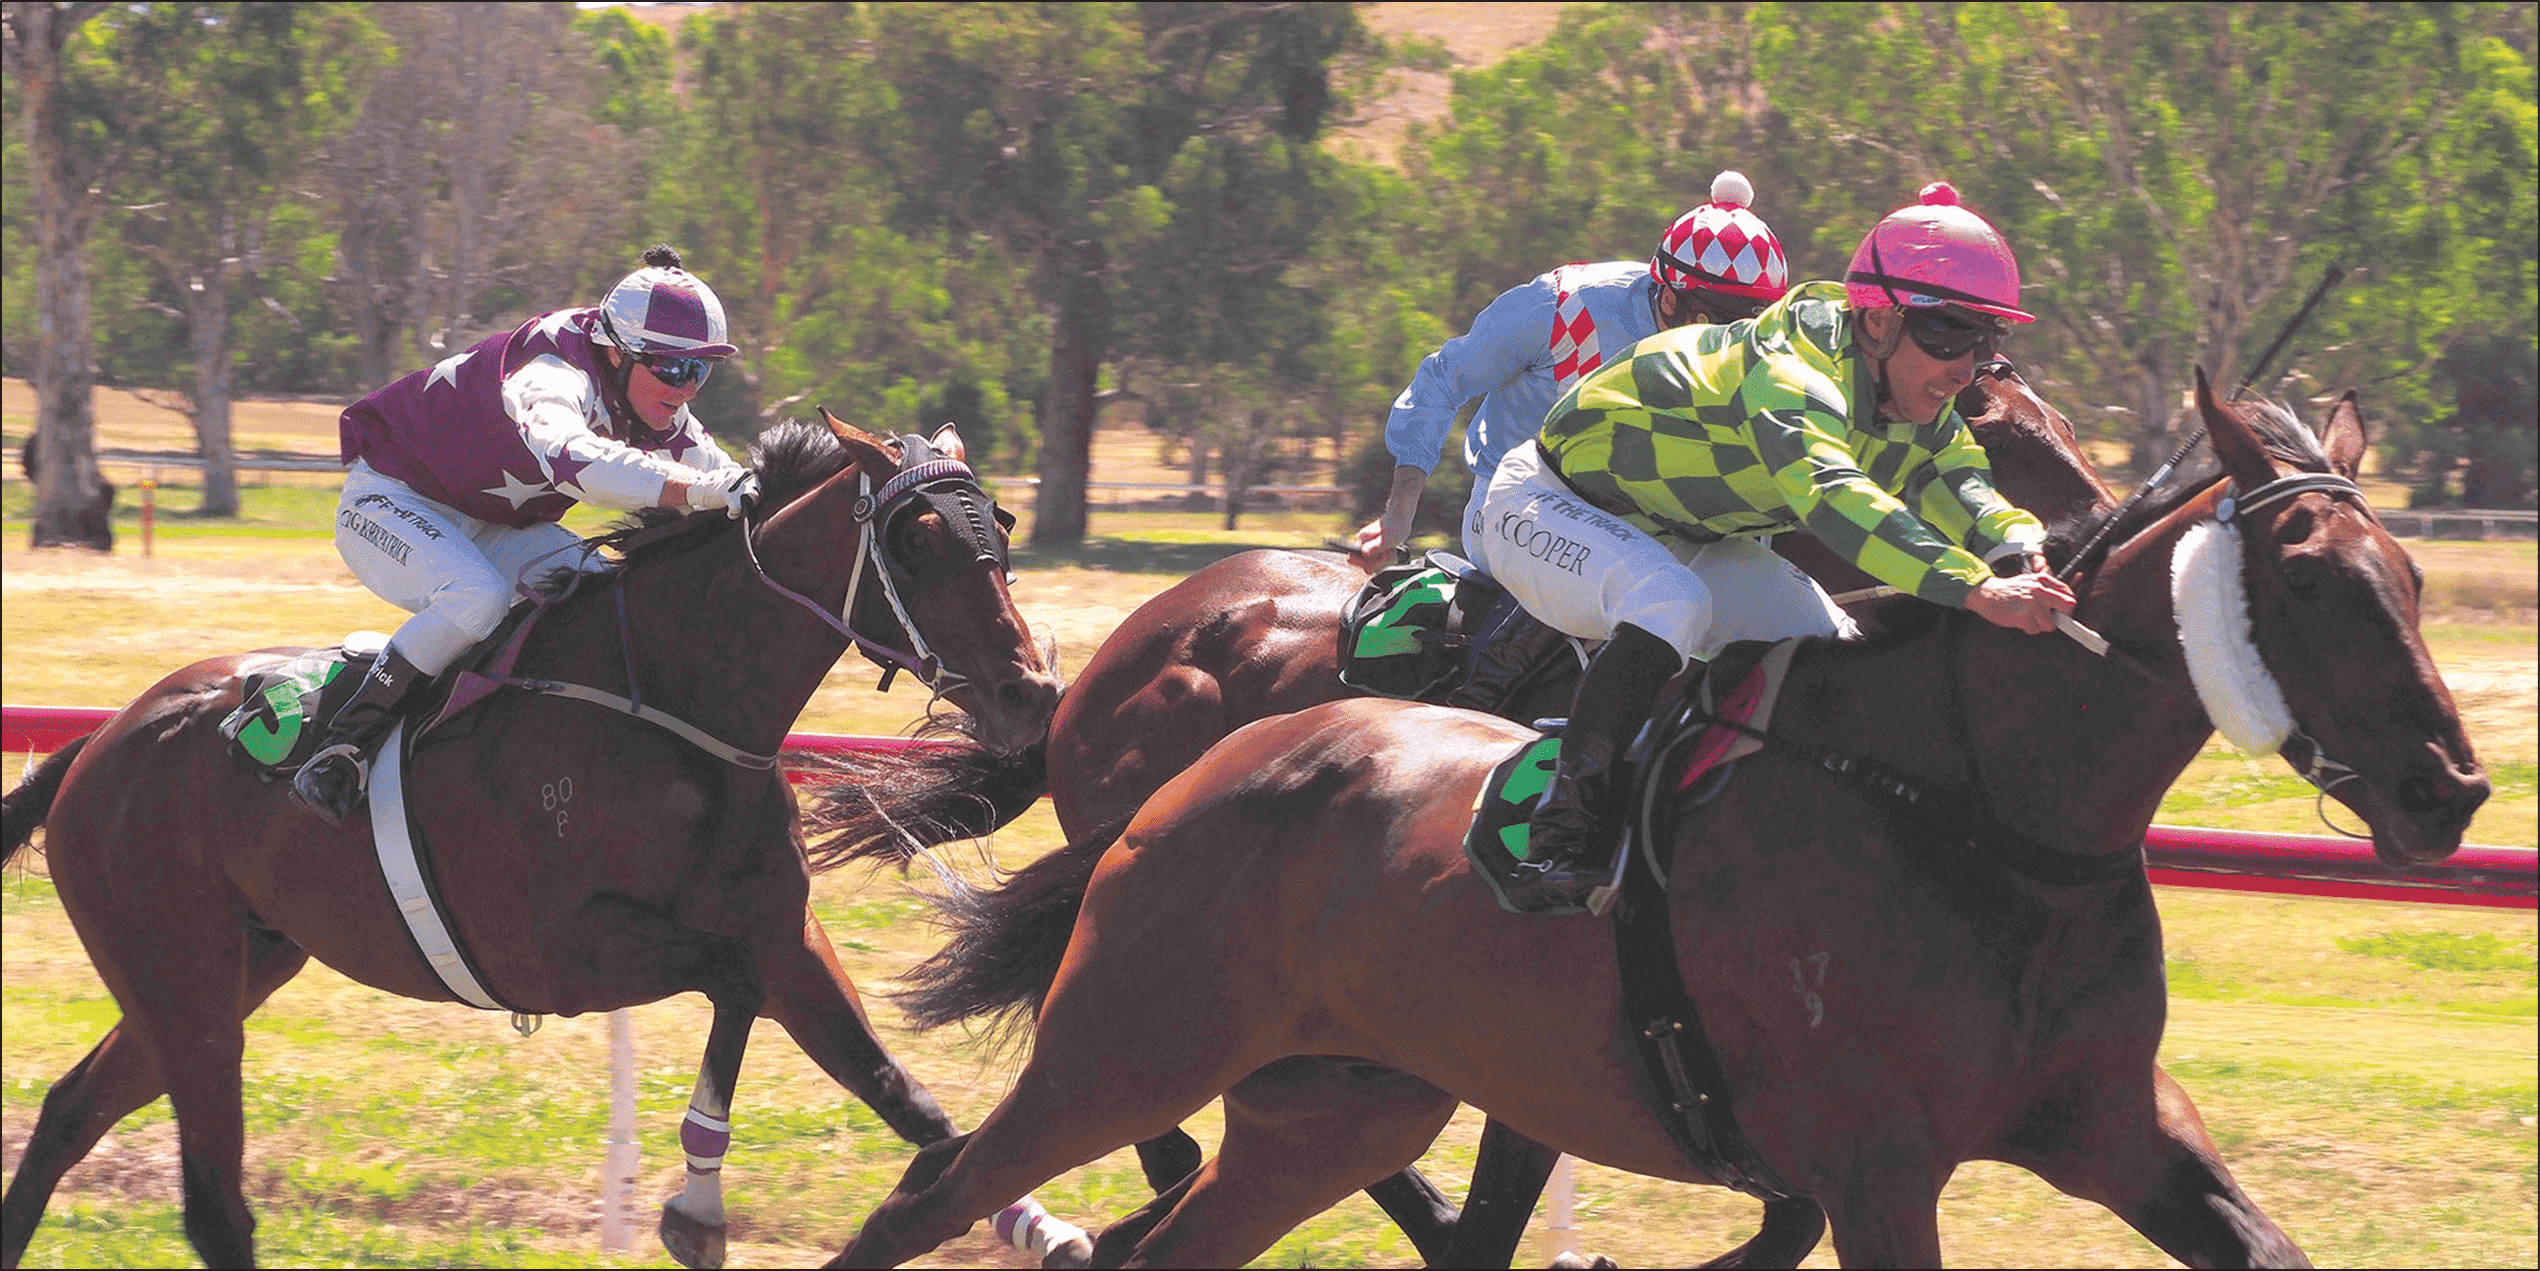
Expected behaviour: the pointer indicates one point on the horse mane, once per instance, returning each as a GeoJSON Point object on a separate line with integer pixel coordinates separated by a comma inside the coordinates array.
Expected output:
{"type": "Point", "coordinates": [789, 458]}
{"type": "Point", "coordinates": [2280, 432]}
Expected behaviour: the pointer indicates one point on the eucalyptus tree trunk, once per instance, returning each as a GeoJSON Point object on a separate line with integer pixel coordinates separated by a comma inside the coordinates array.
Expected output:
{"type": "Point", "coordinates": [72, 500]}
{"type": "Point", "coordinates": [1079, 338]}
{"type": "Point", "coordinates": [207, 314]}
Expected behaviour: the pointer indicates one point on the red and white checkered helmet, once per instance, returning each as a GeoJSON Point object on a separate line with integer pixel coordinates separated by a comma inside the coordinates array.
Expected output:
{"type": "Point", "coordinates": [1936, 253]}
{"type": "Point", "coordinates": [664, 309]}
{"type": "Point", "coordinates": [1720, 246]}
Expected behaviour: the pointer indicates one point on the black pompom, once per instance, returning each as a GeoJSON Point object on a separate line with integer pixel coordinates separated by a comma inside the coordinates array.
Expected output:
{"type": "Point", "coordinates": [662, 256]}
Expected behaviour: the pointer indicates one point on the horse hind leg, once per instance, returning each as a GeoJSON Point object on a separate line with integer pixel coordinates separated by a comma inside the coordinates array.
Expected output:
{"type": "Point", "coordinates": [113, 1081]}
{"type": "Point", "coordinates": [1301, 1135]}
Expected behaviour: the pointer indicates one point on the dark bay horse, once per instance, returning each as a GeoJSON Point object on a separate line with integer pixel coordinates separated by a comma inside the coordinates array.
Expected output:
{"type": "Point", "coordinates": [587, 860]}
{"type": "Point", "coordinates": [1255, 635]}
{"type": "Point", "coordinates": [1302, 889]}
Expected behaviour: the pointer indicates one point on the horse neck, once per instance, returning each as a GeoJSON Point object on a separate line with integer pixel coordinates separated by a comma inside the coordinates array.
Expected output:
{"type": "Point", "coordinates": [713, 643]}
{"type": "Point", "coordinates": [2083, 758]}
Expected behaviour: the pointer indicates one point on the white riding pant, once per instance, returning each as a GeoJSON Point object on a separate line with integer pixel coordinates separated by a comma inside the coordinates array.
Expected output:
{"type": "Point", "coordinates": [1586, 572]}
{"type": "Point", "coordinates": [457, 575]}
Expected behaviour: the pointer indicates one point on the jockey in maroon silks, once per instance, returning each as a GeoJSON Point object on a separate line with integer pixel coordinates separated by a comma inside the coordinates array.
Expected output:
{"type": "Point", "coordinates": [460, 472]}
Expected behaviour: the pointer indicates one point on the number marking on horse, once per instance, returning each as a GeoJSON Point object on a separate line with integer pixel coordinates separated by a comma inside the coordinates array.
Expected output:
{"type": "Point", "coordinates": [1806, 985]}
{"type": "Point", "coordinates": [553, 796]}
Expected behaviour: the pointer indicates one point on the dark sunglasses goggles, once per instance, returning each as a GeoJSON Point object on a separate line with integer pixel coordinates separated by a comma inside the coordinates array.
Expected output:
{"type": "Point", "coordinates": [677, 372]}
{"type": "Point", "coordinates": [1948, 336]}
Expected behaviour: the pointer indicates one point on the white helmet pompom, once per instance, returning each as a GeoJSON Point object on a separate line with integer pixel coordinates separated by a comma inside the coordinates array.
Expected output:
{"type": "Point", "coordinates": [1733, 189]}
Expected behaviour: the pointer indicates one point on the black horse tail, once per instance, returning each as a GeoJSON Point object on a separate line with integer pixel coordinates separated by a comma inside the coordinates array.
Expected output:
{"type": "Point", "coordinates": [1006, 940]}
{"type": "Point", "coordinates": [24, 809]}
{"type": "Point", "coordinates": [886, 805]}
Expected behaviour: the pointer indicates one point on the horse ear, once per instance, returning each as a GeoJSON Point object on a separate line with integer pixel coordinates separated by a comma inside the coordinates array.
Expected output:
{"type": "Point", "coordinates": [2346, 438]}
{"type": "Point", "coordinates": [871, 453]}
{"type": "Point", "coordinates": [948, 440]}
{"type": "Point", "coordinates": [2235, 444]}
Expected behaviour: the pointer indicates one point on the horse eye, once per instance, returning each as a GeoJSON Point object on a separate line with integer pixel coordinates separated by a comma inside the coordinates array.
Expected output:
{"type": "Point", "coordinates": [912, 541]}
{"type": "Point", "coordinates": [2302, 575]}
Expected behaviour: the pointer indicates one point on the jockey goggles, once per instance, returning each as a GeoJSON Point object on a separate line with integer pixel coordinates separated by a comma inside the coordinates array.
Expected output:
{"type": "Point", "coordinates": [1949, 336]}
{"type": "Point", "coordinates": [676, 372]}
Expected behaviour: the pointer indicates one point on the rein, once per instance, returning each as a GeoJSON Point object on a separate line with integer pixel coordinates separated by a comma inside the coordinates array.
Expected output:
{"type": "Point", "coordinates": [1938, 810]}
{"type": "Point", "coordinates": [872, 510]}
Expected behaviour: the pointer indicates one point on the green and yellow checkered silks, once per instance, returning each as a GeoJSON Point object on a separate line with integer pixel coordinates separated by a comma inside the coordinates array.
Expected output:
{"type": "Point", "coordinates": [1710, 431]}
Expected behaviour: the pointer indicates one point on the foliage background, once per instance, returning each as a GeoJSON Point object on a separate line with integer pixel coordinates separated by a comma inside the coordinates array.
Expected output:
{"type": "Point", "coordinates": [1014, 216]}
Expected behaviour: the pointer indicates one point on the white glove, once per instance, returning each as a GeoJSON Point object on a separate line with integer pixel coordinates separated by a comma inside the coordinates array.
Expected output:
{"type": "Point", "coordinates": [731, 489]}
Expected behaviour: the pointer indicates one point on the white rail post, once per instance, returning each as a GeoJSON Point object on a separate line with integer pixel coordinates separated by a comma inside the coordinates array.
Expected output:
{"type": "Point", "coordinates": [617, 1181]}
{"type": "Point", "coordinates": [1565, 1198]}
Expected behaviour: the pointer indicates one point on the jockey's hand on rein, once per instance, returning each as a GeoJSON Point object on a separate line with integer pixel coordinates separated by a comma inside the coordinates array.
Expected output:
{"type": "Point", "coordinates": [732, 489]}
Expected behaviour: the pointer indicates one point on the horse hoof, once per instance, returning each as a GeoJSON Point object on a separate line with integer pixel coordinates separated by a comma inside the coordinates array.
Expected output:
{"type": "Point", "coordinates": [1077, 1251]}
{"type": "Point", "coordinates": [693, 1243]}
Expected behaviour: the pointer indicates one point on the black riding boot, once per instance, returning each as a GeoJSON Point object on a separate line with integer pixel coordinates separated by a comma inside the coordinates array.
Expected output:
{"type": "Point", "coordinates": [1570, 839]}
{"type": "Point", "coordinates": [330, 785]}
{"type": "Point", "coordinates": [1511, 650]}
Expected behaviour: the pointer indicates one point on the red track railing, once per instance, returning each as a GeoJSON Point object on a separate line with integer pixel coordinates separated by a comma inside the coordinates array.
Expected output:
{"type": "Point", "coordinates": [2180, 856]}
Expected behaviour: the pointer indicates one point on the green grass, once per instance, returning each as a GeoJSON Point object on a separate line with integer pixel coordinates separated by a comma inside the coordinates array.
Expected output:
{"type": "Point", "coordinates": [2368, 1070]}
{"type": "Point", "coordinates": [2367, 1067]}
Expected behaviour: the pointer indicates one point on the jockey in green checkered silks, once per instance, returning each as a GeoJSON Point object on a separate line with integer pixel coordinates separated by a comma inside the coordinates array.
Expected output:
{"type": "Point", "coordinates": [1637, 516]}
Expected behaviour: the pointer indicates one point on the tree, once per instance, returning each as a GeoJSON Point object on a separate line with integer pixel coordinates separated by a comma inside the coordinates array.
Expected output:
{"type": "Point", "coordinates": [1049, 131]}
{"type": "Point", "coordinates": [62, 84]}
{"type": "Point", "coordinates": [245, 90]}
{"type": "Point", "coordinates": [2174, 177]}
{"type": "Point", "coordinates": [783, 211]}
{"type": "Point", "coordinates": [497, 168]}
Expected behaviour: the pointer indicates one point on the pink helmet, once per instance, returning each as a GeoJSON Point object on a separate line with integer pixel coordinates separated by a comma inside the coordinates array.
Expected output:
{"type": "Point", "coordinates": [664, 309]}
{"type": "Point", "coordinates": [1720, 246]}
{"type": "Point", "coordinates": [1936, 253]}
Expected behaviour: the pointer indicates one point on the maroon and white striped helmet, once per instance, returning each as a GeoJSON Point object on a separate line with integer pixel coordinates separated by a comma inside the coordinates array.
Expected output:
{"type": "Point", "coordinates": [664, 309]}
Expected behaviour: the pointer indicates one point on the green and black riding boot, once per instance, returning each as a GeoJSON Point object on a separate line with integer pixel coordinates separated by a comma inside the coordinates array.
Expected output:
{"type": "Point", "coordinates": [1571, 838]}
{"type": "Point", "coordinates": [331, 784]}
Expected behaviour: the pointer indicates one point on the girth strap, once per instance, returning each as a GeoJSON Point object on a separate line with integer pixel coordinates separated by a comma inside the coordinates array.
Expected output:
{"type": "Point", "coordinates": [1667, 1028]}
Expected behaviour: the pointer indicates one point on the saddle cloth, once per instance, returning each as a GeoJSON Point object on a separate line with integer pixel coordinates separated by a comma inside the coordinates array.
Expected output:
{"type": "Point", "coordinates": [1740, 687]}
{"type": "Point", "coordinates": [1417, 631]}
{"type": "Point", "coordinates": [281, 717]}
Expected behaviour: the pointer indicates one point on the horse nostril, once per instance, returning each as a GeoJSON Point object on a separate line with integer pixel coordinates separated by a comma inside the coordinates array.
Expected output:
{"type": "Point", "coordinates": [1030, 695]}
{"type": "Point", "coordinates": [2443, 794]}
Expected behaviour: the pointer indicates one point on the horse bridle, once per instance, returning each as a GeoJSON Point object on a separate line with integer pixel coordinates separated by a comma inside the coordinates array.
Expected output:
{"type": "Point", "coordinates": [951, 488]}
{"type": "Point", "coordinates": [965, 505]}
{"type": "Point", "coordinates": [2312, 762]}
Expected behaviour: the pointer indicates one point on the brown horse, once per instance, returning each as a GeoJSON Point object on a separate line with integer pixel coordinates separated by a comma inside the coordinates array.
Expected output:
{"type": "Point", "coordinates": [587, 861]}
{"type": "Point", "coordinates": [1256, 635]}
{"type": "Point", "coordinates": [1994, 991]}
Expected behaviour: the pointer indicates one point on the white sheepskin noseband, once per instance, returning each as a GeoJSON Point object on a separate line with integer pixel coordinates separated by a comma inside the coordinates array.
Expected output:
{"type": "Point", "coordinates": [2212, 604]}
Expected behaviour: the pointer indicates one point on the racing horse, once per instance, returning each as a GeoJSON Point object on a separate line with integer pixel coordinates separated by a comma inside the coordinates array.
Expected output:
{"type": "Point", "coordinates": [1950, 954]}
{"type": "Point", "coordinates": [1255, 635]}
{"type": "Point", "coordinates": [586, 859]}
